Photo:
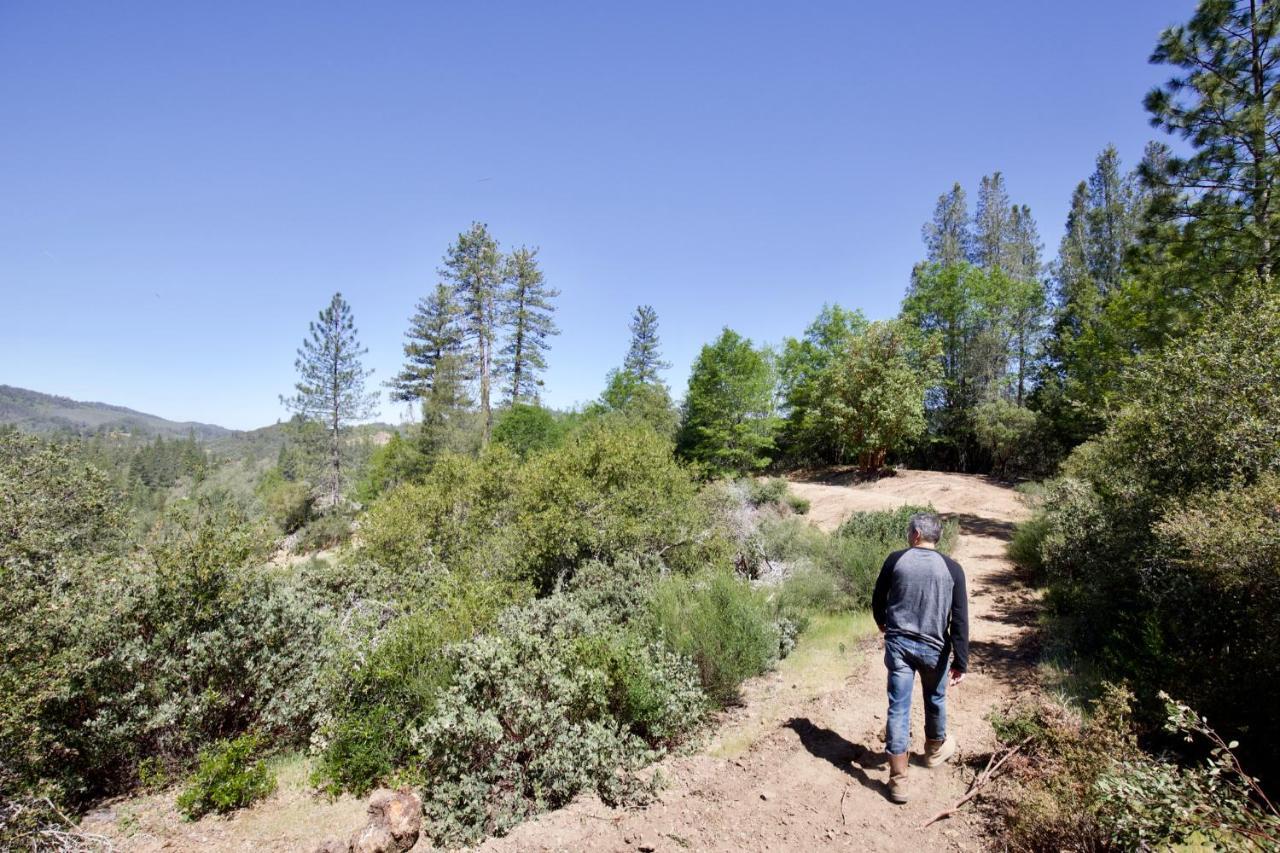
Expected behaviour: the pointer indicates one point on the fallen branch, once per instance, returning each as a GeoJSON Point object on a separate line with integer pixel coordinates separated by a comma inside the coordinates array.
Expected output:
{"type": "Point", "coordinates": [988, 773]}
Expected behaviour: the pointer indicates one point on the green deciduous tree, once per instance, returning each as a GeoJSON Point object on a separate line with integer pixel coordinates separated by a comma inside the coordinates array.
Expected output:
{"type": "Point", "coordinates": [873, 397]}
{"type": "Point", "coordinates": [728, 420]}
{"type": "Point", "coordinates": [527, 314]}
{"type": "Point", "coordinates": [330, 387]}
{"type": "Point", "coordinates": [805, 437]}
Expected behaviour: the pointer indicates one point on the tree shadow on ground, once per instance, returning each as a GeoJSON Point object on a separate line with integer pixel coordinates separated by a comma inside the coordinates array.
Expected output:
{"type": "Point", "coordinates": [840, 475]}
{"type": "Point", "coordinates": [844, 755]}
{"type": "Point", "coordinates": [978, 525]}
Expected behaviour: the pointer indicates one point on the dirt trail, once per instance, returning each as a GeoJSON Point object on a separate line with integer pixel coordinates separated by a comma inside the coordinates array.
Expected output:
{"type": "Point", "coordinates": [815, 778]}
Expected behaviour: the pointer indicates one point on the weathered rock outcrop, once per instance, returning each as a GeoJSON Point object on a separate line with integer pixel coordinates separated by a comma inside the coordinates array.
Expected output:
{"type": "Point", "coordinates": [395, 821]}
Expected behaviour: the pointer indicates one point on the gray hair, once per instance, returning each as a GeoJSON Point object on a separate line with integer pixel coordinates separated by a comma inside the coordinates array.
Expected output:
{"type": "Point", "coordinates": [925, 525]}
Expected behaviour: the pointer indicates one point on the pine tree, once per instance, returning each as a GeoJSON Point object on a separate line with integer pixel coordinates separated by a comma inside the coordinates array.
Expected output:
{"type": "Point", "coordinates": [1226, 103]}
{"type": "Point", "coordinates": [1113, 220]}
{"type": "Point", "coordinates": [947, 237]}
{"type": "Point", "coordinates": [1093, 274]}
{"type": "Point", "coordinates": [528, 316]}
{"type": "Point", "coordinates": [644, 359]}
{"type": "Point", "coordinates": [1077, 293]}
{"type": "Point", "coordinates": [1027, 300]}
{"type": "Point", "coordinates": [473, 269]}
{"type": "Point", "coordinates": [434, 334]}
{"type": "Point", "coordinates": [992, 236]}
{"type": "Point", "coordinates": [330, 388]}
{"type": "Point", "coordinates": [446, 407]}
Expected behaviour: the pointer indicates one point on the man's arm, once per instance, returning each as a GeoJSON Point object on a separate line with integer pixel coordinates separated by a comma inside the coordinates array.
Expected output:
{"type": "Point", "coordinates": [880, 597]}
{"type": "Point", "coordinates": [959, 618]}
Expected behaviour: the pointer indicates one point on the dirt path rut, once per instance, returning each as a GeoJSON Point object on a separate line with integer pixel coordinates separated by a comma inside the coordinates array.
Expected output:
{"type": "Point", "coordinates": [815, 778]}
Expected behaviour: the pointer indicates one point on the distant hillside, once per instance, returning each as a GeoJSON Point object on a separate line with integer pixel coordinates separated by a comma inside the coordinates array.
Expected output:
{"type": "Point", "coordinates": [35, 412]}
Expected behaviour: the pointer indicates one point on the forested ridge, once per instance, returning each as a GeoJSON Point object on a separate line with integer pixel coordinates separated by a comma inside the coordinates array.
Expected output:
{"type": "Point", "coordinates": [501, 605]}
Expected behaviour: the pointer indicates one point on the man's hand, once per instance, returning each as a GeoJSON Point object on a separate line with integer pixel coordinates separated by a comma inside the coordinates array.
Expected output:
{"type": "Point", "coordinates": [956, 677]}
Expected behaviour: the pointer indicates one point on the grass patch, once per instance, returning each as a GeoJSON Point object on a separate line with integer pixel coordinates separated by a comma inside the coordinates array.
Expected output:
{"type": "Point", "coordinates": [823, 658]}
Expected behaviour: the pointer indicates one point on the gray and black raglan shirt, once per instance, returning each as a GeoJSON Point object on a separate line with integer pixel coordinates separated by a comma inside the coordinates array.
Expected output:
{"type": "Point", "coordinates": [921, 594]}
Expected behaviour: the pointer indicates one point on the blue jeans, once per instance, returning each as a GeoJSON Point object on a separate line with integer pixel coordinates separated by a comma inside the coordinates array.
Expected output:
{"type": "Point", "coordinates": [904, 657]}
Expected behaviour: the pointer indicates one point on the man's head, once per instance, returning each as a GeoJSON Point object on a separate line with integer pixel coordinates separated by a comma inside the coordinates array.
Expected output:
{"type": "Point", "coordinates": [924, 530]}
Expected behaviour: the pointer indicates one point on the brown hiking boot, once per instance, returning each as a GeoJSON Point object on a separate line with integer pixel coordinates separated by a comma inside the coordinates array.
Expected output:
{"type": "Point", "coordinates": [898, 788]}
{"type": "Point", "coordinates": [936, 752]}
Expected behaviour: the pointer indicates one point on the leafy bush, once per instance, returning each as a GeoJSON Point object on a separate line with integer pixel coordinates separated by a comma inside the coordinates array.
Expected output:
{"type": "Point", "coordinates": [527, 429]}
{"type": "Point", "coordinates": [456, 515]}
{"type": "Point", "coordinates": [833, 573]}
{"type": "Point", "coordinates": [766, 490]}
{"type": "Point", "coordinates": [327, 531]}
{"type": "Point", "coordinates": [799, 505]}
{"type": "Point", "coordinates": [720, 622]}
{"type": "Point", "coordinates": [889, 527]}
{"type": "Point", "coordinates": [1183, 474]}
{"type": "Point", "coordinates": [228, 776]}
{"type": "Point", "coordinates": [287, 502]}
{"type": "Point", "coordinates": [546, 706]}
{"type": "Point", "coordinates": [812, 590]}
{"type": "Point", "coordinates": [382, 688]}
{"type": "Point", "coordinates": [1027, 543]}
{"type": "Point", "coordinates": [614, 487]}
{"type": "Point", "coordinates": [155, 656]}
{"type": "Point", "coordinates": [398, 461]}
{"type": "Point", "coordinates": [1087, 786]}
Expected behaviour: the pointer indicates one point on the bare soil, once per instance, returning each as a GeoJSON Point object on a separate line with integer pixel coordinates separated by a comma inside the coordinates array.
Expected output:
{"type": "Point", "coordinates": [799, 766]}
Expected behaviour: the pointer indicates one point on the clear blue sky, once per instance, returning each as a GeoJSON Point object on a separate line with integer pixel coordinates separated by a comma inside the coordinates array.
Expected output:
{"type": "Point", "coordinates": [184, 185]}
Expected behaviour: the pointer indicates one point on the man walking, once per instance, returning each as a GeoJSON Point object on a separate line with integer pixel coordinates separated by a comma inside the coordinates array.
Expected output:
{"type": "Point", "coordinates": [921, 605]}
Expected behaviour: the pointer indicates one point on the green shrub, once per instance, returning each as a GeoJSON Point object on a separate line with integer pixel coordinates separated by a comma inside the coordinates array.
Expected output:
{"type": "Point", "coordinates": [649, 688]}
{"type": "Point", "coordinates": [720, 622]}
{"type": "Point", "coordinates": [228, 776]}
{"type": "Point", "coordinates": [382, 688]}
{"type": "Point", "coordinates": [1028, 539]}
{"type": "Point", "coordinates": [363, 745]}
{"type": "Point", "coordinates": [613, 487]}
{"type": "Point", "coordinates": [1008, 432]}
{"type": "Point", "coordinates": [456, 515]}
{"type": "Point", "coordinates": [617, 591]}
{"type": "Point", "coordinates": [889, 527]}
{"type": "Point", "coordinates": [809, 589]}
{"type": "Point", "coordinates": [188, 640]}
{"type": "Point", "coordinates": [1084, 784]}
{"type": "Point", "coordinates": [850, 560]}
{"type": "Point", "coordinates": [799, 505]}
{"type": "Point", "coordinates": [287, 502]}
{"type": "Point", "coordinates": [766, 490]}
{"type": "Point", "coordinates": [527, 429]}
{"type": "Point", "coordinates": [398, 461]}
{"type": "Point", "coordinates": [327, 531]}
{"type": "Point", "coordinates": [551, 703]}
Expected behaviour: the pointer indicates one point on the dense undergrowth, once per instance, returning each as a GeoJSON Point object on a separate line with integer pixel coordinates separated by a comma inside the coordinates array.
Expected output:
{"type": "Point", "coordinates": [1157, 546]}
{"type": "Point", "coordinates": [505, 631]}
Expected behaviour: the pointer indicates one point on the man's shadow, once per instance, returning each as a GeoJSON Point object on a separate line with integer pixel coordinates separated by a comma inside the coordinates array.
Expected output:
{"type": "Point", "coordinates": [842, 754]}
